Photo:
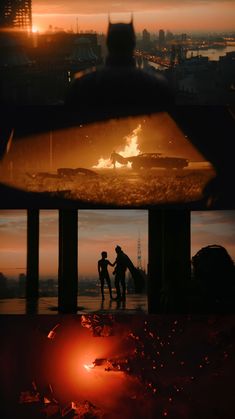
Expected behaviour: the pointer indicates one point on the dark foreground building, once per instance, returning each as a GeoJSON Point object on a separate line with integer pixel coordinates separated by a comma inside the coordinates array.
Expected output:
{"type": "Point", "coordinates": [16, 14]}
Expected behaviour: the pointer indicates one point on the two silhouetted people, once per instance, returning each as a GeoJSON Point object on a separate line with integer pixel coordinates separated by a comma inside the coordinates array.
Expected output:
{"type": "Point", "coordinates": [121, 264]}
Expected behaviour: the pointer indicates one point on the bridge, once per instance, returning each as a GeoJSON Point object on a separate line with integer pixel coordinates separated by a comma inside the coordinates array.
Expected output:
{"type": "Point", "coordinates": [154, 59]}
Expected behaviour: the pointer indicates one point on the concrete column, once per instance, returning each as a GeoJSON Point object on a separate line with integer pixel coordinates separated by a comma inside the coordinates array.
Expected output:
{"type": "Point", "coordinates": [68, 259]}
{"type": "Point", "coordinates": [155, 259]}
{"type": "Point", "coordinates": [177, 267]}
{"type": "Point", "coordinates": [32, 276]}
{"type": "Point", "coordinates": [169, 260]}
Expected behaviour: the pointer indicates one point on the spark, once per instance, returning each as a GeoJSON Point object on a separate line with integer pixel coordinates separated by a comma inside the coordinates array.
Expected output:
{"type": "Point", "coordinates": [52, 333]}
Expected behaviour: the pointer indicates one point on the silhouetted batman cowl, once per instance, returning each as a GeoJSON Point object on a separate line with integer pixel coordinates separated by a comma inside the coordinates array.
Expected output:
{"type": "Point", "coordinates": [120, 89]}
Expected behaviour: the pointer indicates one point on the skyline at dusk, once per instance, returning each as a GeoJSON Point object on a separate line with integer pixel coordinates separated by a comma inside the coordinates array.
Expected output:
{"type": "Point", "coordinates": [97, 231]}
{"type": "Point", "coordinates": [102, 230]}
{"type": "Point", "coordinates": [173, 15]}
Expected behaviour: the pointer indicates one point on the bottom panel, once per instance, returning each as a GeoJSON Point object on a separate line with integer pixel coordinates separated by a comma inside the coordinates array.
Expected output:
{"type": "Point", "coordinates": [97, 366]}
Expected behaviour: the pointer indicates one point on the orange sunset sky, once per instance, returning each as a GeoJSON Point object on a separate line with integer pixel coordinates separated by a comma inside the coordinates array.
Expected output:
{"type": "Point", "coordinates": [175, 15]}
{"type": "Point", "coordinates": [101, 230]}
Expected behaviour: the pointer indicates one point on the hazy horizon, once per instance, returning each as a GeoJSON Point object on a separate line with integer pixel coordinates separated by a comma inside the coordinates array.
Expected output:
{"type": "Point", "coordinates": [174, 15]}
{"type": "Point", "coordinates": [102, 230]}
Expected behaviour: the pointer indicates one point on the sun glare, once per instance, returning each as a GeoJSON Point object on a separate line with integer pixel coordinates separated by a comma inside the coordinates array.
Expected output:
{"type": "Point", "coordinates": [35, 29]}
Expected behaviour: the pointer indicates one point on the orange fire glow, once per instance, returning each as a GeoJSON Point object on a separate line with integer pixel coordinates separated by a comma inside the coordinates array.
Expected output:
{"type": "Point", "coordinates": [131, 149]}
{"type": "Point", "coordinates": [88, 367]}
{"type": "Point", "coordinates": [71, 369]}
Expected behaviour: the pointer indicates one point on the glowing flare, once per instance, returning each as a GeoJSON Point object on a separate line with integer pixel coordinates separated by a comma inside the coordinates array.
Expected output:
{"type": "Point", "coordinates": [88, 367]}
{"type": "Point", "coordinates": [131, 149]}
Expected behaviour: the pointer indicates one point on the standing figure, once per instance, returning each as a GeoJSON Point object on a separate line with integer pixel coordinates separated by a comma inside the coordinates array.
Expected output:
{"type": "Point", "coordinates": [104, 274]}
{"type": "Point", "coordinates": [122, 263]}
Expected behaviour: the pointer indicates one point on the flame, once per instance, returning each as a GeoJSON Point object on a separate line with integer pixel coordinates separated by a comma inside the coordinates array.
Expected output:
{"type": "Point", "coordinates": [131, 149]}
{"type": "Point", "coordinates": [88, 367]}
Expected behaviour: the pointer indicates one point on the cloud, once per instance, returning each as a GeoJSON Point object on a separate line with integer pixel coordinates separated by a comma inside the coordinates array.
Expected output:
{"type": "Point", "coordinates": [213, 227]}
{"type": "Point", "coordinates": [100, 219]}
{"type": "Point", "coordinates": [213, 217]}
{"type": "Point", "coordinates": [12, 219]}
{"type": "Point", "coordinates": [109, 6]}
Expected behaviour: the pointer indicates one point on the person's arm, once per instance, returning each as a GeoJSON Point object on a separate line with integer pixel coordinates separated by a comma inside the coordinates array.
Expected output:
{"type": "Point", "coordinates": [111, 264]}
{"type": "Point", "coordinates": [99, 268]}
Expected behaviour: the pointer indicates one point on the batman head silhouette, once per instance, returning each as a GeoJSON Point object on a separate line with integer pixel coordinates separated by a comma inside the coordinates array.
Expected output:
{"type": "Point", "coordinates": [121, 43]}
{"type": "Point", "coordinates": [120, 88]}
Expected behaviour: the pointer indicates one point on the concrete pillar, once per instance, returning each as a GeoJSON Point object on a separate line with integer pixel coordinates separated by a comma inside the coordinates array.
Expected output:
{"type": "Point", "coordinates": [177, 267]}
{"type": "Point", "coordinates": [68, 259]}
{"type": "Point", "coordinates": [155, 259]}
{"type": "Point", "coordinates": [32, 276]}
{"type": "Point", "coordinates": [169, 260]}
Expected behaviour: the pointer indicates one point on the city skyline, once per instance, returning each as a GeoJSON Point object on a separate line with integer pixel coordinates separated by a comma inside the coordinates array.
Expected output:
{"type": "Point", "coordinates": [96, 232]}
{"type": "Point", "coordinates": [175, 15]}
{"type": "Point", "coordinates": [102, 230]}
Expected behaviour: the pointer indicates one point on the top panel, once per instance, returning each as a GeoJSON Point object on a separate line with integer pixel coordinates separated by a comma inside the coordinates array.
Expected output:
{"type": "Point", "coordinates": [188, 48]}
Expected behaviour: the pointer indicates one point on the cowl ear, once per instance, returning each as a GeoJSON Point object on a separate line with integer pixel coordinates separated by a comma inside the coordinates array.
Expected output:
{"type": "Point", "coordinates": [132, 20]}
{"type": "Point", "coordinates": [109, 21]}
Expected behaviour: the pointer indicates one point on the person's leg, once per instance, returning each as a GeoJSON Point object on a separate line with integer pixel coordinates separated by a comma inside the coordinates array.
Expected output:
{"type": "Point", "coordinates": [109, 285]}
{"type": "Point", "coordinates": [102, 286]}
{"type": "Point", "coordinates": [123, 284]}
{"type": "Point", "coordinates": [117, 286]}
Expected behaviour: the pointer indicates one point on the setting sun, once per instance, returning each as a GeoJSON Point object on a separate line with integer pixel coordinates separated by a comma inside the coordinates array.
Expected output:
{"type": "Point", "coordinates": [35, 29]}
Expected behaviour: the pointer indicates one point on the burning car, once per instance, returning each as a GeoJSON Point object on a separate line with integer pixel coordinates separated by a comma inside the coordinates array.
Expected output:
{"type": "Point", "coordinates": [150, 160]}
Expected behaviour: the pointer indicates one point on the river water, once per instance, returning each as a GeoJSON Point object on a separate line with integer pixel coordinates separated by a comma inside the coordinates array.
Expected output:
{"type": "Point", "coordinates": [213, 53]}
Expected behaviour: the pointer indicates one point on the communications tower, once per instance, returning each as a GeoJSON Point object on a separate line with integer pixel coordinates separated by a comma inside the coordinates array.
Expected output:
{"type": "Point", "coordinates": [139, 256]}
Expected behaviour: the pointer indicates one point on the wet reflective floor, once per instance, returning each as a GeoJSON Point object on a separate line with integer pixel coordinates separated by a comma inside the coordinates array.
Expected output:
{"type": "Point", "coordinates": [134, 303]}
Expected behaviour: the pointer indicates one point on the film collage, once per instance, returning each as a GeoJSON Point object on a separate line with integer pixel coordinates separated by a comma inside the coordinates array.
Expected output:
{"type": "Point", "coordinates": [117, 209]}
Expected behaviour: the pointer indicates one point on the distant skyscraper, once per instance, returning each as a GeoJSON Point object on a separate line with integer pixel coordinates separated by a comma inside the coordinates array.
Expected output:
{"type": "Point", "coordinates": [146, 35]}
{"type": "Point", "coordinates": [146, 42]}
{"type": "Point", "coordinates": [16, 14]}
{"type": "Point", "coordinates": [169, 36]}
{"type": "Point", "coordinates": [161, 38]}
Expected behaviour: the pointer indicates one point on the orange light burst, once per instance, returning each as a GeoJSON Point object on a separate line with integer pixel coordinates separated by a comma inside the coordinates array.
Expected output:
{"type": "Point", "coordinates": [88, 367]}
{"type": "Point", "coordinates": [131, 149]}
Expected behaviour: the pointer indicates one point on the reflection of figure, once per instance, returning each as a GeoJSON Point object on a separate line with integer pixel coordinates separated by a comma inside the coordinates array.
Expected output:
{"type": "Point", "coordinates": [104, 274]}
{"type": "Point", "coordinates": [122, 262]}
